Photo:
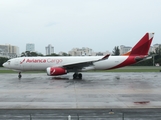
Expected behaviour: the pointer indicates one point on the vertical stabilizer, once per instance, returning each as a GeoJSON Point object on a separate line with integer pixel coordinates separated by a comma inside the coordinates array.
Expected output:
{"type": "Point", "coordinates": [142, 47]}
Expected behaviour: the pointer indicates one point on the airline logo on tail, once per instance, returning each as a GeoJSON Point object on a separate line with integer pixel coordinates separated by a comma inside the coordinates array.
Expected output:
{"type": "Point", "coordinates": [142, 47]}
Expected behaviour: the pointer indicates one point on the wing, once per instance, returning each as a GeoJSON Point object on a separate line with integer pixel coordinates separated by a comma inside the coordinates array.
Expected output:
{"type": "Point", "coordinates": [80, 65]}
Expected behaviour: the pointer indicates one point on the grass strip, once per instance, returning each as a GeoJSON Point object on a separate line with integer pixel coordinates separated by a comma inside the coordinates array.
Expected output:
{"type": "Point", "coordinates": [11, 71]}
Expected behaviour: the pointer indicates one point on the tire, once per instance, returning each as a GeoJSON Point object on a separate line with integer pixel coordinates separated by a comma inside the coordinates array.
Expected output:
{"type": "Point", "coordinates": [80, 76]}
{"type": "Point", "coordinates": [74, 76]}
{"type": "Point", "coordinates": [19, 76]}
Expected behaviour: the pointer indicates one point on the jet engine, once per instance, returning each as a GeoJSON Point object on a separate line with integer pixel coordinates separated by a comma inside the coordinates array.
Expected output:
{"type": "Point", "coordinates": [53, 71]}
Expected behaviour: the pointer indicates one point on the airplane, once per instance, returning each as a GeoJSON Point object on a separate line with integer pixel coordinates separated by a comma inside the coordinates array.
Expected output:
{"type": "Point", "coordinates": [62, 65]}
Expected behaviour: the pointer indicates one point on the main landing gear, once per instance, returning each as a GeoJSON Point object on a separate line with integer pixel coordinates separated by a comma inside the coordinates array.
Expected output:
{"type": "Point", "coordinates": [19, 75]}
{"type": "Point", "coordinates": [77, 75]}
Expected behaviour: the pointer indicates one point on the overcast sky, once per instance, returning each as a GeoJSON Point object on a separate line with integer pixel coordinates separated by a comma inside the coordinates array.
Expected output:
{"type": "Point", "coordinates": [66, 24]}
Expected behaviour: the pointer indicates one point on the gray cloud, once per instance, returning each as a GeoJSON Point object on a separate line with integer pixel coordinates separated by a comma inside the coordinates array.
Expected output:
{"type": "Point", "coordinates": [100, 25]}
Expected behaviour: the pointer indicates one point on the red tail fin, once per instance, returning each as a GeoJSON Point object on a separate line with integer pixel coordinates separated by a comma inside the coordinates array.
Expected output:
{"type": "Point", "coordinates": [142, 47]}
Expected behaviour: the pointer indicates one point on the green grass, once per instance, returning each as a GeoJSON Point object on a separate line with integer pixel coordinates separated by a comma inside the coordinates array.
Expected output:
{"type": "Point", "coordinates": [133, 69]}
{"type": "Point", "coordinates": [11, 71]}
{"type": "Point", "coordinates": [7, 71]}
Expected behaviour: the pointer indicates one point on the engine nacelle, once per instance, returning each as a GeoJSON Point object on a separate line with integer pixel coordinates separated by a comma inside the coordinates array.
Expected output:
{"type": "Point", "coordinates": [53, 71]}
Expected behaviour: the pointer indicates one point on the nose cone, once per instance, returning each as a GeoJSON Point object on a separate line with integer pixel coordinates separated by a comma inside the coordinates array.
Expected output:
{"type": "Point", "coordinates": [4, 64]}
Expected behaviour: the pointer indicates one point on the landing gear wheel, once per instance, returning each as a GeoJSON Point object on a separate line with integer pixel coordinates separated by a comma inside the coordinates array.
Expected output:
{"type": "Point", "coordinates": [77, 76]}
{"type": "Point", "coordinates": [80, 76]}
{"type": "Point", "coordinates": [19, 76]}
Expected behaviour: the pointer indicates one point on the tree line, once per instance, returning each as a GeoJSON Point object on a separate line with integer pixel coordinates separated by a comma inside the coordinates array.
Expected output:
{"type": "Point", "coordinates": [2, 60]}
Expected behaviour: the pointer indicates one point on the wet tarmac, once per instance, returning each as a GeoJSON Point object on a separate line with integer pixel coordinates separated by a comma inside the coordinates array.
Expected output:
{"type": "Point", "coordinates": [95, 91]}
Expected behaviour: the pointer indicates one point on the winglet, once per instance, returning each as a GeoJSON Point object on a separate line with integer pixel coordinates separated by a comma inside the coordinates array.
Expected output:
{"type": "Point", "coordinates": [142, 47]}
{"type": "Point", "coordinates": [105, 57]}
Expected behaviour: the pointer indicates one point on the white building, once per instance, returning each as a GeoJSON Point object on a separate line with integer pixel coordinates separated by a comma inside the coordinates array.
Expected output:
{"type": "Point", "coordinates": [49, 49]}
{"type": "Point", "coordinates": [154, 47]}
{"type": "Point", "coordinates": [30, 47]}
{"type": "Point", "coordinates": [84, 51]}
{"type": "Point", "coordinates": [9, 51]}
{"type": "Point", "coordinates": [100, 53]}
{"type": "Point", "coordinates": [124, 49]}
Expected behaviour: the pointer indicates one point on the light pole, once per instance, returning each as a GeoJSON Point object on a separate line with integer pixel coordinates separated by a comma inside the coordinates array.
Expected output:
{"type": "Point", "coordinates": [153, 59]}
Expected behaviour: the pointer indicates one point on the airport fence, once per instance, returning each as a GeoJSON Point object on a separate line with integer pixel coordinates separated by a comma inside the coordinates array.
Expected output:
{"type": "Point", "coordinates": [92, 116]}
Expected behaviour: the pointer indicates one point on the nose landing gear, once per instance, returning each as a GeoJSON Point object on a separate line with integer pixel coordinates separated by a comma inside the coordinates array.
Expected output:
{"type": "Point", "coordinates": [19, 75]}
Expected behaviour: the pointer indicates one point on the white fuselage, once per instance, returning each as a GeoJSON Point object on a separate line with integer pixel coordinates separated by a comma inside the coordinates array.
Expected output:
{"type": "Point", "coordinates": [41, 63]}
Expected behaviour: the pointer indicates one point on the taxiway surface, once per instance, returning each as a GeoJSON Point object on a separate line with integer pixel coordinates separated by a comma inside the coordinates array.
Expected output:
{"type": "Point", "coordinates": [95, 91]}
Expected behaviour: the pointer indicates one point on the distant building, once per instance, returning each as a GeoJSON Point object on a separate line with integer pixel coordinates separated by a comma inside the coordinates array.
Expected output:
{"type": "Point", "coordinates": [154, 47]}
{"type": "Point", "coordinates": [124, 49]}
{"type": "Point", "coordinates": [30, 47]}
{"type": "Point", "coordinates": [100, 53]}
{"type": "Point", "coordinates": [9, 51]}
{"type": "Point", "coordinates": [84, 51]}
{"type": "Point", "coordinates": [49, 49]}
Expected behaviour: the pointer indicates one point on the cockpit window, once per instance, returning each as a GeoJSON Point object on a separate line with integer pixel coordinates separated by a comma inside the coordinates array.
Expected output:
{"type": "Point", "coordinates": [8, 62]}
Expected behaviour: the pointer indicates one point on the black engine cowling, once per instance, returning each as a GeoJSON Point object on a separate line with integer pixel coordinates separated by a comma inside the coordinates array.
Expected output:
{"type": "Point", "coordinates": [53, 71]}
